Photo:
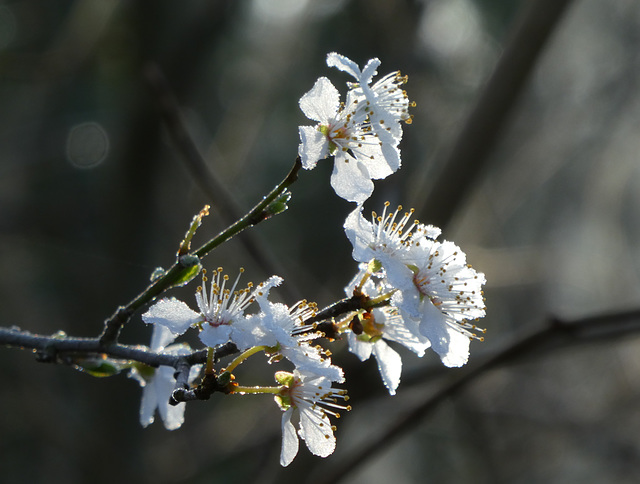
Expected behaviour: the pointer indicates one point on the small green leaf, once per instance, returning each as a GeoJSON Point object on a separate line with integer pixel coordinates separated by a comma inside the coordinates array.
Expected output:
{"type": "Point", "coordinates": [100, 367]}
{"type": "Point", "coordinates": [191, 268]}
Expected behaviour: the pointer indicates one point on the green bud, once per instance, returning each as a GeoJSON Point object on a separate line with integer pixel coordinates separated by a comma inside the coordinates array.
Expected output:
{"type": "Point", "coordinates": [224, 378]}
{"type": "Point", "coordinates": [279, 205]}
{"type": "Point", "coordinates": [284, 378]}
{"type": "Point", "coordinates": [185, 245]}
{"type": "Point", "coordinates": [283, 401]}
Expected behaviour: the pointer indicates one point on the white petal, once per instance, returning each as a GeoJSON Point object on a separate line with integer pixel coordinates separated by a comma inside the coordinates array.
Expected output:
{"type": "Point", "coordinates": [389, 364]}
{"type": "Point", "coordinates": [173, 314]}
{"type": "Point", "coordinates": [347, 65]}
{"type": "Point", "coordinates": [148, 405]}
{"type": "Point", "coordinates": [215, 335]}
{"type": "Point", "coordinates": [404, 331]}
{"type": "Point", "coordinates": [361, 349]}
{"type": "Point", "coordinates": [350, 179]}
{"type": "Point", "coordinates": [313, 147]}
{"type": "Point", "coordinates": [385, 161]}
{"type": "Point", "coordinates": [315, 429]}
{"type": "Point", "coordinates": [251, 331]}
{"type": "Point", "coordinates": [164, 384]}
{"type": "Point", "coordinates": [289, 439]}
{"type": "Point", "coordinates": [308, 360]}
{"type": "Point", "coordinates": [344, 64]}
{"type": "Point", "coordinates": [321, 103]}
{"type": "Point", "coordinates": [451, 345]}
{"type": "Point", "coordinates": [369, 71]}
{"type": "Point", "coordinates": [359, 231]}
{"type": "Point", "coordinates": [161, 337]}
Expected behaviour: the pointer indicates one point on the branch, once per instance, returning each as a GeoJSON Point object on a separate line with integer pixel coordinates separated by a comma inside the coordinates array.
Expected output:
{"type": "Point", "coordinates": [257, 214]}
{"type": "Point", "coordinates": [481, 132]}
{"type": "Point", "coordinates": [556, 334]}
{"type": "Point", "coordinates": [54, 348]}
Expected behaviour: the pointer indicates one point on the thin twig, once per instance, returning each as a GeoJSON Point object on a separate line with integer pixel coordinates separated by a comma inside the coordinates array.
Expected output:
{"type": "Point", "coordinates": [256, 215]}
{"type": "Point", "coordinates": [51, 348]}
{"type": "Point", "coordinates": [221, 198]}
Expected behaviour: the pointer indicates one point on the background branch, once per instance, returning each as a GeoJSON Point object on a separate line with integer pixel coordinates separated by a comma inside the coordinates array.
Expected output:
{"type": "Point", "coordinates": [471, 150]}
{"type": "Point", "coordinates": [219, 195]}
{"type": "Point", "coordinates": [555, 334]}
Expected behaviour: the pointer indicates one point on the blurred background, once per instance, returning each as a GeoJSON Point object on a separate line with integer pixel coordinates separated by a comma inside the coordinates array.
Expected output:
{"type": "Point", "coordinates": [94, 195]}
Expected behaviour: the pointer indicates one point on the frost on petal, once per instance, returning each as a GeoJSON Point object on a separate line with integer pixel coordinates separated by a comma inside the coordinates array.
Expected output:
{"type": "Point", "coordinates": [350, 179]}
{"type": "Point", "coordinates": [389, 364]}
{"type": "Point", "coordinates": [289, 439]}
{"type": "Point", "coordinates": [251, 331]}
{"type": "Point", "coordinates": [362, 349]}
{"type": "Point", "coordinates": [451, 345]}
{"type": "Point", "coordinates": [360, 233]}
{"type": "Point", "coordinates": [173, 314]}
{"type": "Point", "coordinates": [321, 103]}
{"type": "Point", "coordinates": [347, 65]}
{"type": "Point", "coordinates": [215, 335]}
{"type": "Point", "coordinates": [314, 146]}
{"type": "Point", "coordinates": [315, 429]}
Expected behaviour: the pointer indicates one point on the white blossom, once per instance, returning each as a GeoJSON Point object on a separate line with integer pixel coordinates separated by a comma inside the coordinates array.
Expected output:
{"type": "Point", "coordinates": [310, 399]}
{"type": "Point", "coordinates": [285, 331]}
{"type": "Point", "coordinates": [362, 134]}
{"type": "Point", "coordinates": [446, 298]}
{"type": "Point", "coordinates": [434, 287]}
{"type": "Point", "coordinates": [221, 313]}
{"type": "Point", "coordinates": [385, 103]}
{"type": "Point", "coordinates": [387, 239]}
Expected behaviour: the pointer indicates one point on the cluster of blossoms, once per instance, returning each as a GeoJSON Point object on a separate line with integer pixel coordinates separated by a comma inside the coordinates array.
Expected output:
{"type": "Point", "coordinates": [362, 133]}
{"type": "Point", "coordinates": [413, 289]}
{"type": "Point", "coordinates": [435, 296]}
{"type": "Point", "coordinates": [277, 330]}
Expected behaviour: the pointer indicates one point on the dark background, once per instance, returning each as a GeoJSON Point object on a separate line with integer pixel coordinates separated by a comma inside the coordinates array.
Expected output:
{"type": "Point", "coordinates": [94, 195]}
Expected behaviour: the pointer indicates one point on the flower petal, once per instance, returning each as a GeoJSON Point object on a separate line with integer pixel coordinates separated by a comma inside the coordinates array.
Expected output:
{"type": "Point", "coordinates": [173, 314]}
{"type": "Point", "coordinates": [389, 364]}
{"type": "Point", "coordinates": [161, 337]}
{"type": "Point", "coordinates": [313, 146]}
{"type": "Point", "coordinates": [321, 103]}
{"type": "Point", "coordinates": [315, 429]}
{"type": "Point", "coordinates": [350, 178]}
{"type": "Point", "coordinates": [451, 345]}
{"type": "Point", "coordinates": [164, 384]}
{"type": "Point", "coordinates": [347, 65]}
{"type": "Point", "coordinates": [289, 439]}
{"type": "Point", "coordinates": [361, 349]}
{"type": "Point", "coordinates": [148, 405]}
{"type": "Point", "coordinates": [215, 335]}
